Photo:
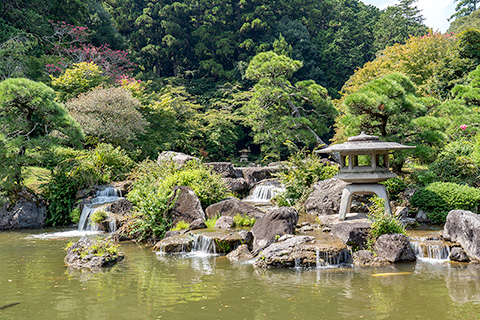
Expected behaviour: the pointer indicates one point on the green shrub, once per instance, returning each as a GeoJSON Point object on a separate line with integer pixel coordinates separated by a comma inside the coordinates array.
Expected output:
{"type": "Point", "coordinates": [75, 215]}
{"type": "Point", "coordinates": [101, 165]}
{"type": "Point", "coordinates": [243, 221]}
{"type": "Point", "coordinates": [456, 164]}
{"type": "Point", "coordinates": [438, 198]}
{"type": "Point", "coordinates": [181, 225]}
{"type": "Point", "coordinates": [98, 217]}
{"type": "Point", "coordinates": [394, 187]}
{"type": "Point", "coordinates": [152, 194]}
{"type": "Point", "coordinates": [382, 222]}
{"type": "Point", "coordinates": [298, 175]}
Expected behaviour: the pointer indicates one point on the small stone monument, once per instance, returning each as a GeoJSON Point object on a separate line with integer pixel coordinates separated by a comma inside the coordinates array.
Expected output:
{"type": "Point", "coordinates": [244, 155]}
{"type": "Point", "coordinates": [364, 179]}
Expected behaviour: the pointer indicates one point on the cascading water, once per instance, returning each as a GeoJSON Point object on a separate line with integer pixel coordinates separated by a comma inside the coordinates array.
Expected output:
{"type": "Point", "coordinates": [102, 199]}
{"type": "Point", "coordinates": [329, 259]}
{"type": "Point", "coordinates": [203, 245]}
{"type": "Point", "coordinates": [430, 250]}
{"type": "Point", "coordinates": [263, 193]}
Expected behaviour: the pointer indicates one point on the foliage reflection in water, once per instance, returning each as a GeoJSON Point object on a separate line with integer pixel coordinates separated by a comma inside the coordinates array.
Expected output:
{"type": "Point", "coordinates": [35, 284]}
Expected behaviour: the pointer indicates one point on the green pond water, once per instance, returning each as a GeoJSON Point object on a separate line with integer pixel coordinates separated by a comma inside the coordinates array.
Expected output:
{"type": "Point", "coordinates": [35, 281]}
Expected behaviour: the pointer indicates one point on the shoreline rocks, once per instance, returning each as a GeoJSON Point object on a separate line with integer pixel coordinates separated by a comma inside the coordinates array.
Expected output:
{"type": "Point", "coordinates": [92, 254]}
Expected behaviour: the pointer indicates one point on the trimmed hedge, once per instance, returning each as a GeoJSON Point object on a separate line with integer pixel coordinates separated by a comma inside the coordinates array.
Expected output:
{"type": "Point", "coordinates": [438, 198]}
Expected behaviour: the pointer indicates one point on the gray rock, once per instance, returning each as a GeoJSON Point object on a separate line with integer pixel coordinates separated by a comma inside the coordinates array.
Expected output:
{"type": "Point", "coordinates": [409, 222]}
{"type": "Point", "coordinates": [325, 199]}
{"type": "Point", "coordinates": [231, 207]}
{"type": "Point", "coordinates": [353, 232]}
{"type": "Point", "coordinates": [458, 254]}
{"type": "Point", "coordinates": [187, 207]}
{"type": "Point", "coordinates": [226, 241]}
{"type": "Point", "coordinates": [240, 254]}
{"type": "Point", "coordinates": [253, 175]}
{"type": "Point", "coordinates": [365, 258]}
{"type": "Point", "coordinates": [274, 223]}
{"type": "Point", "coordinates": [90, 260]}
{"type": "Point", "coordinates": [237, 185]}
{"type": "Point", "coordinates": [394, 248]}
{"type": "Point", "coordinates": [180, 158]}
{"type": "Point", "coordinates": [123, 187]}
{"type": "Point", "coordinates": [421, 217]}
{"type": "Point", "coordinates": [225, 169]}
{"type": "Point", "coordinates": [401, 212]}
{"type": "Point", "coordinates": [27, 212]}
{"type": "Point", "coordinates": [172, 233]}
{"type": "Point", "coordinates": [303, 251]}
{"type": "Point", "coordinates": [463, 227]}
{"type": "Point", "coordinates": [174, 244]}
{"type": "Point", "coordinates": [198, 224]}
{"type": "Point", "coordinates": [224, 222]}
{"type": "Point", "coordinates": [121, 207]}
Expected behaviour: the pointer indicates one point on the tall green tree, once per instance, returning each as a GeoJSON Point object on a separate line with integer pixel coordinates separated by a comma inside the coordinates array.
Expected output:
{"type": "Point", "coordinates": [279, 110]}
{"type": "Point", "coordinates": [465, 7]}
{"type": "Point", "coordinates": [397, 23]}
{"type": "Point", "coordinates": [30, 122]}
{"type": "Point", "coordinates": [386, 107]}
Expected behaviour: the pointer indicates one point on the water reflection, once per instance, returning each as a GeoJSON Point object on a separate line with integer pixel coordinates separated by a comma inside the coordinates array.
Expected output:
{"type": "Point", "coordinates": [463, 283]}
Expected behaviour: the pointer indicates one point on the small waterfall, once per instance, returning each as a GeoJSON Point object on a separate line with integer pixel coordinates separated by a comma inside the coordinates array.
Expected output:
{"type": "Point", "coordinates": [203, 245]}
{"type": "Point", "coordinates": [263, 193]}
{"type": "Point", "coordinates": [102, 199]}
{"type": "Point", "coordinates": [327, 259]}
{"type": "Point", "coordinates": [430, 250]}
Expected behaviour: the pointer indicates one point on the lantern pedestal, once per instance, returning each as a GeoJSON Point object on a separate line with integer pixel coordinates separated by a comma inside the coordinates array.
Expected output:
{"type": "Point", "coordinates": [362, 189]}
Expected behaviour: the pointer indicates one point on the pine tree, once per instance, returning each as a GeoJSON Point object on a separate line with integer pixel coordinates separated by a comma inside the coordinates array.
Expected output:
{"type": "Point", "coordinates": [464, 8]}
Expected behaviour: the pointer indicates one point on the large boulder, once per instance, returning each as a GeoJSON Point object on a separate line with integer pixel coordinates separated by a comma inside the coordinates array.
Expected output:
{"type": "Point", "coordinates": [179, 158]}
{"type": "Point", "coordinates": [225, 169]}
{"type": "Point", "coordinates": [88, 254]}
{"type": "Point", "coordinates": [325, 198]}
{"type": "Point", "coordinates": [237, 185]}
{"type": "Point", "coordinates": [303, 251]}
{"type": "Point", "coordinates": [120, 207]}
{"type": "Point", "coordinates": [353, 232]}
{"type": "Point", "coordinates": [224, 222]}
{"type": "Point", "coordinates": [181, 242]}
{"type": "Point", "coordinates": [394, 248]}
{"type": "Point", "coordinates": [231, 207]}
{"type": "Point", "coordinates": [365, 258]}
{"type": "Point", "coordinates": [274, 223]}
{"type": "Point", "coordinates": [27, 212]}
{"type": "Point", "coordinates": [187, 208]}
{"type": "Point", "coordinates": [240, 254]}
{"type": "Point", "coordinates": [458, 254]}
{"type": "Point", "coordinates": [463, 227]}
{"type": "Point", "coordinates": [254, 175]}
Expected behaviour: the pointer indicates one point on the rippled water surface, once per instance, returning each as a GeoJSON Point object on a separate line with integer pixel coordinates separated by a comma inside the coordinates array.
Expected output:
{"type": "Point", "coordinates": [35, 284]}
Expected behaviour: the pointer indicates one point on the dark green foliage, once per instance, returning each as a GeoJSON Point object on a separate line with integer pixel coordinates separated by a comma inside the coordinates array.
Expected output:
{"type": "Point", "coordinates": [465, 8]}
{"type": "Point", "coordinates": [396, 23]}
{"type": "Point", "coordinates": [382, 222]}
{"type": "Point", "coordinates": [438, 198]}
{"type": "Point", "coordinates": [466, 22]}
{"type": "Point", "coordinates": [98, 166]}
{"type": "Point", "coordinates": [28, 117]}
{"type": "Point", "coordinates": [394, 187]}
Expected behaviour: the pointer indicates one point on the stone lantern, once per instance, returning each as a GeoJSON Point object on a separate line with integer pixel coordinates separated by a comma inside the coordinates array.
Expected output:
{"type": "Point", "coordinates": [364, 178]}
{"type": "Point", "coordinates": [244, 155]}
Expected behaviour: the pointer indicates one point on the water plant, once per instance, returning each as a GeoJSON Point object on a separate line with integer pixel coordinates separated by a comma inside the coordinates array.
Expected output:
{"type": "Point", "coordinates": [181, 225]}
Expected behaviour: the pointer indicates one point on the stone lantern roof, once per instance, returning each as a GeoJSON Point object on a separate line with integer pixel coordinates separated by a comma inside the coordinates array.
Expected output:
{"type": "Point", "coordinates": [364, 144]}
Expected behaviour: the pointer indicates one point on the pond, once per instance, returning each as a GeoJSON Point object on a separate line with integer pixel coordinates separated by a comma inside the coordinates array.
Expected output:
{"type": "Point", "coordinates": [35, 284]}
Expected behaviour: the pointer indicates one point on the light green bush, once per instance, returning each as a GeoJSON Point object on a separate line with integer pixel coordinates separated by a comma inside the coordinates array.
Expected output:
{"type": "Point", "coordinates": [438, 198]}
{"type": "Point", "coordinates": [243, 221]}
{"type": "Point", "coordinates": [181, 225]}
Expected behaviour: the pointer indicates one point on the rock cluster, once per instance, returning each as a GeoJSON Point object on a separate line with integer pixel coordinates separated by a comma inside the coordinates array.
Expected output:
{"type": "Point", "coordinates": [27, 212]}
{"type": "Point", "coordinates": [91, 254]}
